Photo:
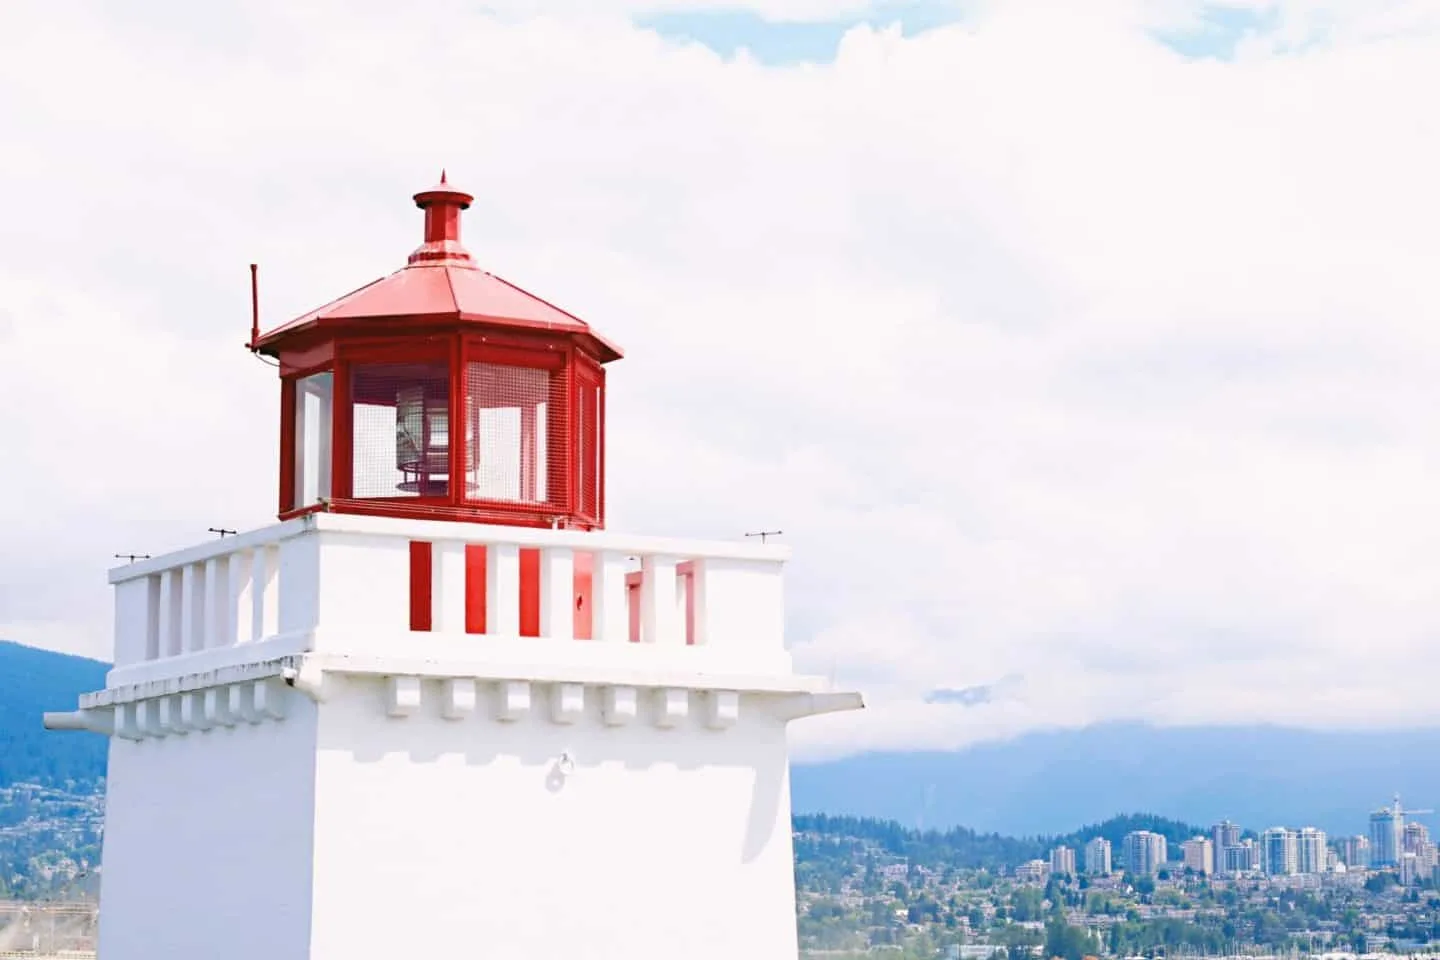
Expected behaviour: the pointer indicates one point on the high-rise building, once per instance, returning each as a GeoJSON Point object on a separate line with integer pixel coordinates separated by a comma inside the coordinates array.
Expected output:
{"type": "Point", "coordinates": [1199, 855]}
{"type": "Point", "coordinates": [1097, 857]}
{"type": "Point", "coordinates": [1311, 850]}
{"type": "Point", "coordinates": [1387, 827]}
{"type": "Point", "coordinates": [1223, 836]}
{"type": "Point", "coordinates": [1414, 837]}
{"type": "Point", "coordinates": [1144, 852]}
{"type": "Point", "coordinates": [1243, 857]}
{"type": "Point", "coordinates": [1355, 852]}
{"type": "Point", "coordinates": [1279, 852]}
{"type": "Point", "coordinates": [1062, 862]}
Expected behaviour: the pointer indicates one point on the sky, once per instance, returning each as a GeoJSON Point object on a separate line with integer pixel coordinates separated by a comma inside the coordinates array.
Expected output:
{"type": "Point", "coordinates": [1087, 354]}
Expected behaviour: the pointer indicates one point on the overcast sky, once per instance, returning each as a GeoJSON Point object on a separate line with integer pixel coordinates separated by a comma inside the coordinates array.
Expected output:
{"type": "Point", "coordinates": [1090, 359]}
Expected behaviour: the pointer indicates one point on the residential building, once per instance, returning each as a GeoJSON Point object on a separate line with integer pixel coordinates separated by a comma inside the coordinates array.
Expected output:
{"type": "Point", "coordinates": [1355, 852]}
{"type": "Point", "coordinates": [1097, 857]}
{"type": "Point", "coordinates": [1279, 852]}
{"type": "Point", "coordinates": [1387, 826]}
{"type": "Point", "coordinates": [1198, 854]}
{"type": "Point", "coordinates": [1414, 838]}
{"type": "Point", "coordinates": [1032, 871]}
{"type": "Point", "coordinates": [1223, 836]}
{"type": "Point", "coordinates": [1062, 862]}
{"type": "Point", "coordinates": [1145, 852]}
{"type": "Point", "coordinates": [1243, 857]}
{"type": "Point", "coordinates": [1311, 848]}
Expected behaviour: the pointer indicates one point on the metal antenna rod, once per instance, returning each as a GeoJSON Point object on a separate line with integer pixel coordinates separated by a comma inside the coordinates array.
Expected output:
{"type": "Point", "coordinates": [132, 557]}
{"type": "Point", "coordinates": [762, 534]}
{"type": "Point", "coordinates": [222, 531]}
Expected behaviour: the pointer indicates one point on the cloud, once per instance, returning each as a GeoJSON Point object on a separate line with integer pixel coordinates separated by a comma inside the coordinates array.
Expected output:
{"type": "Point", "coordinates": [1063, 360]}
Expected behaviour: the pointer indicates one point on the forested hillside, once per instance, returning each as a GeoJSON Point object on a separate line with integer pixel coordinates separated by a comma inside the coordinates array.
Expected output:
{"type": "Point", "coordinates": [32, 682]}
{"type": "Point", "coordinates": [821, 837]}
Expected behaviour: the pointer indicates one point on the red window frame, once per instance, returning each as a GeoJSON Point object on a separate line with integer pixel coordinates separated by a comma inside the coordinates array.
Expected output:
{"type": "Point", "coordinates": [559, 475]}
{"type": "Point", "coordinates": [588, 439]}
{"type": "Point", "coordinates": [348, 355]}
{"type": "Point", "coordinates": [287, 434]}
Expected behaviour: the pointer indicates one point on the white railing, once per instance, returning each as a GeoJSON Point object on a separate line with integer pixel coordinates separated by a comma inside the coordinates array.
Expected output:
{"type": "Point", "coordinates": [327, 577]}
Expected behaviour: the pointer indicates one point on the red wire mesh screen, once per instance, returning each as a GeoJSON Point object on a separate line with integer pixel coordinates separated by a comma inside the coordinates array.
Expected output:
{"type": "Point", "coordinates": [400, 418]}
{"type": "Point", "coordinates": [517, 428]}
{"type": "Point", "coordinates": [588, 474]}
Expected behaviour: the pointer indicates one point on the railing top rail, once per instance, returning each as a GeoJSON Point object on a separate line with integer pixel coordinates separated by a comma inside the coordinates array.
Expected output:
{"type": "Point", "coordinates": [539, 537]}
{"type": "Point", "coordinates": [219, 547]}
{"type": "Point", "coordinates": [454, 531]}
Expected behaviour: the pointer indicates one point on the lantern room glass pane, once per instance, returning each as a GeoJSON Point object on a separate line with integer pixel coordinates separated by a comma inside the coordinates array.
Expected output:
{"type": "Point", "coordinates": [513, 429]}
{"type": "Point", "coordinates": [400, 418]}
{"type": "Point", "coordinates": [314, 409]}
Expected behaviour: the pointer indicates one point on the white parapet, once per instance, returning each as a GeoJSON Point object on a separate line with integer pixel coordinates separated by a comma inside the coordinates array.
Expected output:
{"type": "Point", "coordinates": [340, 584]}
{"type": "Point", "coordinates": [295, 771]}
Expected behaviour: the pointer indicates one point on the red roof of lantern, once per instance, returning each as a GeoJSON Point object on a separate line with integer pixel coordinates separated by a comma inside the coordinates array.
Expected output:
{"type": "Point", "coordinates": [442, 284]}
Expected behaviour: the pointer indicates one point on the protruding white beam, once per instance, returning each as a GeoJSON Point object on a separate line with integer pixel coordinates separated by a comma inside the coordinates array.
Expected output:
{"type": "Point", "coordinates": [512, 700]}
{"type": "Point", "coordinates": [567, 702]}
{"type": "Point", "coordinates": [127, 725]}
{"type": "Point", "coordinates": [192, 711]}
{"type": "Point", "coordinates": [402, 696]}
{"type": "Point", "coordinates": [722, 709]}
{"type": "Point", "coordinates": [458, 698]}
{"type": "Point", "coordinates": [620, 706]}
{"type": "Point", "coordinates": [147, 717]}
{"type": "Point", "coordinates": [672, 705]}
{"type": "Point", "coordinates": [216, 707]}
{"type": "Point", "coordinates": [269, 698]}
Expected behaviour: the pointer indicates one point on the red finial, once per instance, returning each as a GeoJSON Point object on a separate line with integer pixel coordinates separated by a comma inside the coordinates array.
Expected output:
{"type": "Point", "coordinates": [442, 205]}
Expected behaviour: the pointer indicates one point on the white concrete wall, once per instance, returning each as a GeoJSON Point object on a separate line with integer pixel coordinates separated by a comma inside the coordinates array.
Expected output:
{"type": "Point", "coordinates": [208, 842]}
{"type": "Point", "coordinates": [435, 836]}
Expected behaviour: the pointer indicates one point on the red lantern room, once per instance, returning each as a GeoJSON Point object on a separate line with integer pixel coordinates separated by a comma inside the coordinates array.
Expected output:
{"type": "Point", "coordinates": [443, 392]}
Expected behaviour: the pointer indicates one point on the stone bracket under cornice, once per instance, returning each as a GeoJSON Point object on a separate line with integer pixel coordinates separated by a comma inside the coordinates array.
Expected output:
{"type": "Point", "coordinates": [254, 692]}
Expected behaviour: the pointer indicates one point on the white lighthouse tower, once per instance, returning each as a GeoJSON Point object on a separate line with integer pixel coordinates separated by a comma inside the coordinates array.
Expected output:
{"type": "Point", "coordinates": [437, 710]}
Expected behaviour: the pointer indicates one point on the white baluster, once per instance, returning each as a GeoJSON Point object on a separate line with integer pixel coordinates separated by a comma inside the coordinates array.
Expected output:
{"type": "Point", "coordinates": [557, 593]}
{"type": "Point", "coordinates": [171, 613]}
{"type": "Point", "coordinates": [610, 612]}
{"type": "Point", "coordinates": [217, 607]}
{"type": "Point", "coordinates": [659, 622]}
{"type": "Point", "coordinates": [192, 605]}
{"type": "Point", "coordinates": [502, 589]}
{"type": "Point", "coordinates": [265, 577]}
{"type": "Point", "coordinates": [447, 586]}
{"type": "Point", "coordinates": [153, 643]}
{"type": "Point", "coordinates": [699, 599]}
{"type": "Point", "coordinates": [239, 610]}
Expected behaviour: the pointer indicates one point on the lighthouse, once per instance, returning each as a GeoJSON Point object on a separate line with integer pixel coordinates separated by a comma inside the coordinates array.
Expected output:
{"type": "Point", "coordinates": [438, 709]}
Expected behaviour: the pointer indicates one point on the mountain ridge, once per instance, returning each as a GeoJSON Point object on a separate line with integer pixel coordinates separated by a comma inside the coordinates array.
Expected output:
{"type": "Point", "coordinates": [1038, 784]}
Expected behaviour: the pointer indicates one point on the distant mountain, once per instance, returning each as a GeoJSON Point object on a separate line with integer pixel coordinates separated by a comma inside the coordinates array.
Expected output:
{"type": "Point", "coordinates": [1040, 784]}
{"type": "Point", "coordinates": [35, 681]}
{"type": "Point", "coordinates": [1045, 783]}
